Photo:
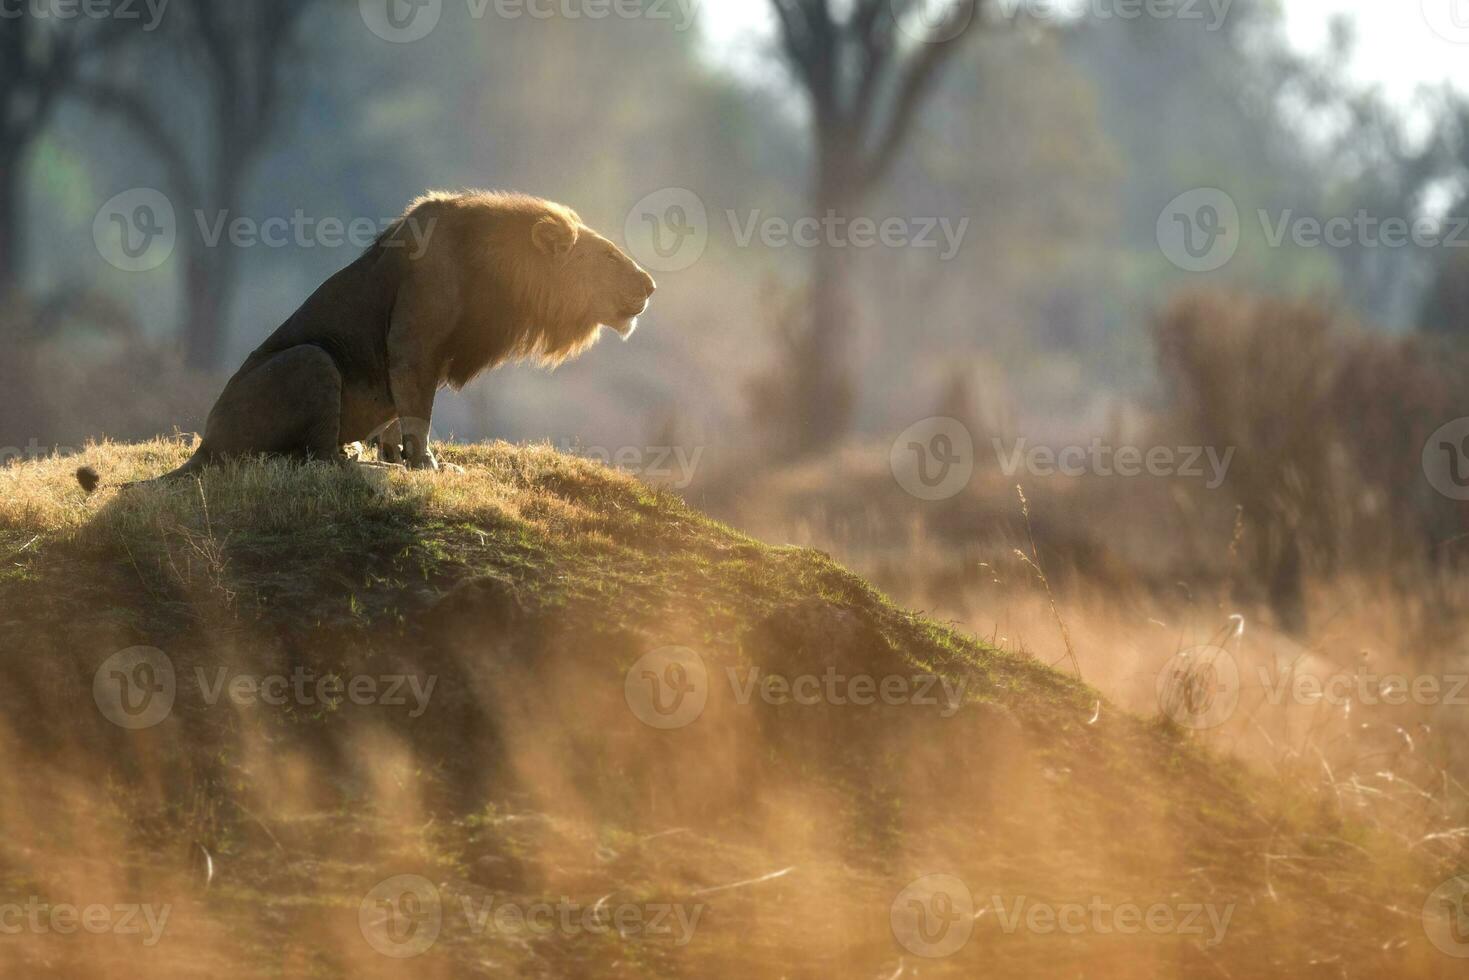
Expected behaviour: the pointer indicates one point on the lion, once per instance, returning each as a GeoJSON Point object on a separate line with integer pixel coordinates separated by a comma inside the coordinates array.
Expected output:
{"type": "Point", "coordinates": [457, 286]}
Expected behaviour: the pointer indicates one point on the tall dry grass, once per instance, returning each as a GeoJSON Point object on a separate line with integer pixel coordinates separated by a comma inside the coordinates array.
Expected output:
{"type": "Point", "coordinates": [1329, 422]}
{"type": "Point", "coordinates": [1326, 556]}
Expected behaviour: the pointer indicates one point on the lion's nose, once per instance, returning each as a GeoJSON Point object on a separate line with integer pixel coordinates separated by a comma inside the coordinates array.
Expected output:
{"type": "Point", "coordinates": [649, 286]}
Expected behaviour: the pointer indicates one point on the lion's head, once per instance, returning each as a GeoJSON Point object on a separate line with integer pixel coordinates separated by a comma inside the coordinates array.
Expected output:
{"type": "Point", "coordinates": [532, 280]}
{"type": "Point", "coordinates": [595, 283]}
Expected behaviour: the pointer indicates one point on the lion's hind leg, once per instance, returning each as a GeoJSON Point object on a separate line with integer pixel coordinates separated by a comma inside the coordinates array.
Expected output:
{"type": "Point", "coordinates": [390, 443]}
{"type": "Point", "coordinates": [288, 404]}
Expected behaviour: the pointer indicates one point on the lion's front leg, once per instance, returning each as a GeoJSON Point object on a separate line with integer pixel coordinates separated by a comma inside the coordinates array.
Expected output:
{"type": "Point", "coordinates": [417, 453]}
{"type": "Point", "coordinates": [415, 370]}
{"type": "Point", "coordinates": [414, 399]}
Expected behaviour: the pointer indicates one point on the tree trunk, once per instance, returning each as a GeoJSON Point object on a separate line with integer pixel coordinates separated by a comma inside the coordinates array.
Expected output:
{"type": "Point", "coordinates": [12, 235]}
{"type": "Point", "coordinates": [201, 311]}
{"type": "Point", "coordinates": [823, 374]}
{"type": "Point", "coordinates": [825, 392]}
{"type": "Point", "coordinates": [1287, 583]}
{"type": "Point", "coordinates": [209, 281]}
{"type": "Point", "coordinates": [1280, 566]}
{"type": "Point", "coordinates": [210, 274]}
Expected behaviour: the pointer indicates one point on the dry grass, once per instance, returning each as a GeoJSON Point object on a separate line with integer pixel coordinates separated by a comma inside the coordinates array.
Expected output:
{"type": "Point", "coordinates": [1124, 621]}
{"type": "Point", "coordinates": [1329, 422]}
{"type": "Point", "coordinates": [1326, 558]}
{"type": "Point", "coordinates": [271, 496]}
{"type": "Point", "coordinates": [528, 586]}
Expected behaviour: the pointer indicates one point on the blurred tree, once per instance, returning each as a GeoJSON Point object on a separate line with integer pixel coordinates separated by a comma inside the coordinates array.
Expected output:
{"type": "Point", "coordinates": [1047, 196]}
{"type": "Point", "coordinates": [1376, 164]}
{"type": "Point", "coordinates": [241, 53]}
{"type": "Point", "coordinates": [1257, 374]}
{"type": "Point", "coordinates": [1284, 133]}
{"type": "Point", "coordinates": [39, 60]}
{"type": "Point", "coordinates": [1446, 309]}
{"type": "Point", "coordinates": [866, 70]}
{"type": "Point", "coordinates": [1237, 106]}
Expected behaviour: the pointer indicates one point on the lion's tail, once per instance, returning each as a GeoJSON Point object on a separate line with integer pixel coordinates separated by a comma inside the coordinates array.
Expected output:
{"type": "Point", "coordinates": [90, 479]}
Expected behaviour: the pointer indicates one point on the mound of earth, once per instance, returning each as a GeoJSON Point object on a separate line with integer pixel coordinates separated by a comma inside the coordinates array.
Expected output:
{"type": "Point", "coordinates": [537, 719]}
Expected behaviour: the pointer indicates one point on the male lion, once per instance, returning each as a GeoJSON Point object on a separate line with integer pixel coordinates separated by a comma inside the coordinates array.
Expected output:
{"type": "Point", "coordinates": [460, 284]}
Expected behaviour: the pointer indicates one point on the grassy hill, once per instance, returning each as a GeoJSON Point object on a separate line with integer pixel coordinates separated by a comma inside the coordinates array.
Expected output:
{"type": "Point", "coordinates": [260, 700]}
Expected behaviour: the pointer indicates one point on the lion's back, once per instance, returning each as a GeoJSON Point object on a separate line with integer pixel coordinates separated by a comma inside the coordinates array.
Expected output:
{"type": "Point", "coordinates": [348, 316]}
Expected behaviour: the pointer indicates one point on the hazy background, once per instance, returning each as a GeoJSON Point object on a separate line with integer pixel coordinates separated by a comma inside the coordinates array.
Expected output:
{"type": "Point", "coordinates": [1060, 139]}
{"type": "Point", "coordinates": [1063, 145]}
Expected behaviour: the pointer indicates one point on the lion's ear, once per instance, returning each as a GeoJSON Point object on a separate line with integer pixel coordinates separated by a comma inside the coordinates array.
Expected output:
{"type": "Point", "coordinates": [554, 236]}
